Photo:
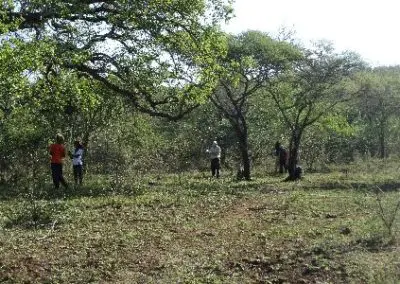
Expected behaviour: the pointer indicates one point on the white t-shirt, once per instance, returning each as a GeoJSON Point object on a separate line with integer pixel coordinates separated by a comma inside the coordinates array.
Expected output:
{"type": "Point", "coordinates": [77, 157]}
{"type": "Point", "coordinates": [215, 151]}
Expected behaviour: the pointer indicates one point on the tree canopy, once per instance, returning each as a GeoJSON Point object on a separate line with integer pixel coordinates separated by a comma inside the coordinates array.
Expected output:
{"type": "Point", "coordinates": [160, 55]}
{"type": "Point", "coordinates": [252, 61]}
{"type": "Point", "coordinates": [314, 87]}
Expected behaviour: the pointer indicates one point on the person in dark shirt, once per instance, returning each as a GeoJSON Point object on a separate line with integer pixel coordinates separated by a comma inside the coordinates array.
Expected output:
{"type": "Point", "coordinates": [283, 156]}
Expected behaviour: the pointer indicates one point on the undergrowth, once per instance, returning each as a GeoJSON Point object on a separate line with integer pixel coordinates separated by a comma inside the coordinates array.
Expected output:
{"type": "Point", "coordinates": [189, 228]}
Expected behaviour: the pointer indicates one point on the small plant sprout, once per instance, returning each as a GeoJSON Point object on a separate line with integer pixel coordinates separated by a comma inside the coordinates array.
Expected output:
{"type": "Point", "coordinates": [388, 217]}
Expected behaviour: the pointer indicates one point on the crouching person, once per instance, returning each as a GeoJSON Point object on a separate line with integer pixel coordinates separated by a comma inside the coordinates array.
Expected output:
{"type": "Point", "coordinates": [298, 171]}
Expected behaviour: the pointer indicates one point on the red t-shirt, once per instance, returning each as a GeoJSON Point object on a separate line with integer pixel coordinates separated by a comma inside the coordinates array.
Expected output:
{"type": "Point", "coordinates": [57, 152]}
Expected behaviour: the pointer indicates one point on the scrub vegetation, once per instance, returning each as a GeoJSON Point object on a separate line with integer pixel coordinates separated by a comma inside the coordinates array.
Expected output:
{"type": "Point", "coordinates": [187, 228]}
{"type": "Point", "coordinates": [147, 86]}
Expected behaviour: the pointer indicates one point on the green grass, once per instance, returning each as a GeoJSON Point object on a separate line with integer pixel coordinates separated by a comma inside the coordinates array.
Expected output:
{"type": "Point", "coordinates": [187, 228]}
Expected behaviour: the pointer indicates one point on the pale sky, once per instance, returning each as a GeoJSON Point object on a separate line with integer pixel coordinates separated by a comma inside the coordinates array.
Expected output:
{"type": "Point", "coordinates": [371, 28]}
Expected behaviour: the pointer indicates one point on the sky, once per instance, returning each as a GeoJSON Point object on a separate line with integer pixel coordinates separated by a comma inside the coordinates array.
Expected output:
{"type": "Point", "coordinates": [370, 28]}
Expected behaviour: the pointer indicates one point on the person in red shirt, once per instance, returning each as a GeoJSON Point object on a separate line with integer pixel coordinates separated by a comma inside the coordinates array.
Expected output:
{"type": "Point", "coordinates": [57, 152]}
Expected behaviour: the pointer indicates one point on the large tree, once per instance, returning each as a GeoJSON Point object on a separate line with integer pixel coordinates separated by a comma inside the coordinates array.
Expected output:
{"type": "Point", "coordinates": [14, 89]}
{"type": "Point", "coordinates": [317, 84]}
{"type": "Point", "coordinates": [160, 55]}
{"type": "Point", "coordinates": [253, 59]}
{"type": "Point", "coordinates": [377, 104]}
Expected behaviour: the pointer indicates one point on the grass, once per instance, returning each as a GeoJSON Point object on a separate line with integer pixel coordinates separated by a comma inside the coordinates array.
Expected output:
{"type": "Point", "coordinates": [187, 228]}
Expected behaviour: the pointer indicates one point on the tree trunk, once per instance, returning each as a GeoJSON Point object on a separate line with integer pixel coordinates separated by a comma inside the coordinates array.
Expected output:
{"type": "Point", "coordinates": [4, 155]}
{"type": "Point", "coordinates": [241, 131]}
{"type": "Point", "coordinates": [85, 142]}
{"type": "Point", "coordinates": [86, 138]}
{"type": "Point", "coordinates": [294, 154]}
{"type": "Point", "coordinates": [245, 161]}
{"type": "Point", "coordinates": [382, 144]}
{"type": "Point", "coordinates": [382, 148]}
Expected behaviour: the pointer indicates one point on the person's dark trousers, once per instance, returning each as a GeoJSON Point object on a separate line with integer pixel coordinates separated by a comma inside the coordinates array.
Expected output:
{"type": "Point", "coordinates": [215, 167]}
{"type": "Point", "coordinates": [78, 173]}
{"type": "Point", "coordinates": [57, 174]}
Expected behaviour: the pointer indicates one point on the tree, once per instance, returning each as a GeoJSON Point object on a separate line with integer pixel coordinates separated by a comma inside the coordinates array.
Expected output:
{"type": "Point", "coordinates": [377, 103]}
{"type": "Point", "coordinates": [14, 88]}
{"type": "Point", "coordinates": [316, 85]}
{"type": "Point", "coordinates": [76, 105]}
{"type": "Point", "coordinates": [160, 55]}
{"type": "Point", "coordinates": [35, 103]}
{"type": "Point", "coordinates": [329, 140]}
{"type": "Point", "coordinates": [253, 59]}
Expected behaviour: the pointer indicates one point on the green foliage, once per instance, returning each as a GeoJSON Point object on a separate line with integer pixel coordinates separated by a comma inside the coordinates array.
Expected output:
{"type": "Point", "coordinates": [317, 84]}
{"type": "Point", "coordinates": [128, 143]}
{"type": "Point", "coordinates": [388, 214]}
{"type": "Point", "coordinates": [33, 214]}
{"type": "Point", "coordinates": [265, 128]}
{"type": "Point", "coordinates": [161, 56]}
{"type": "Point", "coordinates": [164, 58]}
{"type": "Point", "coordinates": [254, 56]}
{"type": "Point", "coordinates": [377, 110]}
{"type": "Point", "coordinates": [333, 140]}
{"type": "Point", "coordinates": [19, 132]}
{"type": "Point", "coordinates": [253, 60]}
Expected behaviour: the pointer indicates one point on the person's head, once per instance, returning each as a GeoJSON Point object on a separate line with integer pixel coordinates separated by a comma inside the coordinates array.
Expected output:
{"type": "Point", "coordinates": [78, 143]}
{"type": "Point", "coordinates": [215, 143]}
{"type": "Point", "coordinates": [59, 138]}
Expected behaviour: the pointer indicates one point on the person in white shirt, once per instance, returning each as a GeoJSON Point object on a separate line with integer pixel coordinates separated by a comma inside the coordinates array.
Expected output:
{"type": "Point", "coordinates": [215, 156]}
{"type": "Point", "coordinates": [77, 162]}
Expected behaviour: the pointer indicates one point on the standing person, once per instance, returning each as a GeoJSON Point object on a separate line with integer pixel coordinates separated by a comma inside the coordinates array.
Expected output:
{"type": "Point", "coordinates": [77, 161]}
{"type": "Point", "coordinates": [57, 153]}
{"type": "Point", "coordinates": [215, 156]}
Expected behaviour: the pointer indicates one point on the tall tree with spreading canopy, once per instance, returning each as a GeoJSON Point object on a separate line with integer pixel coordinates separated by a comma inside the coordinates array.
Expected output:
{"type": "Point", "coordinates": [314, 87]}
{"type": "Point", "coordinates": [160, 55]}
{"type": "Point", "coordinates": [378, 103]}
{"type": "Point", "coordinates": [14, 91]}
{"type": "Point", "coordinates": [253, 59]}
